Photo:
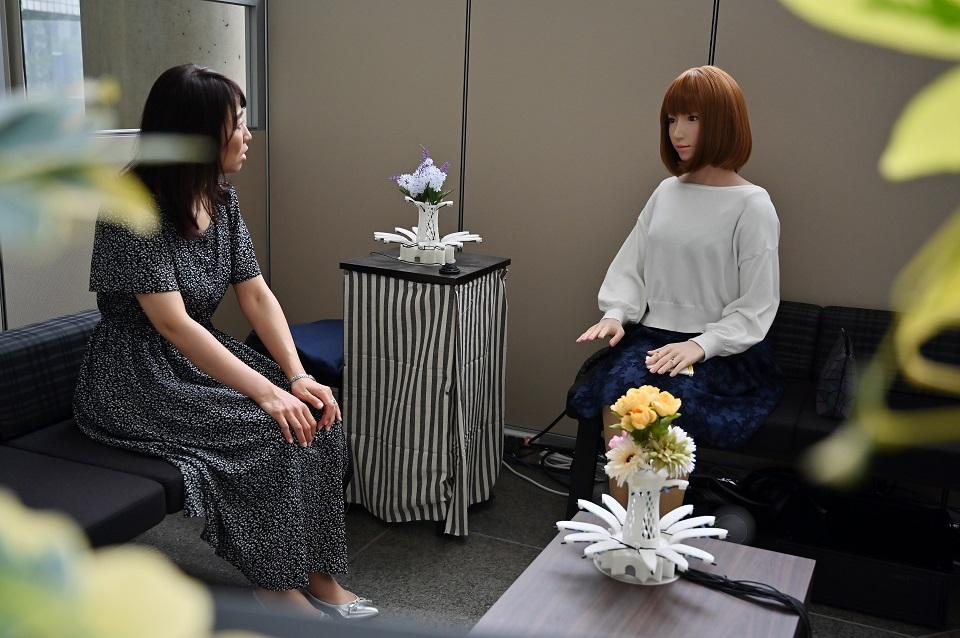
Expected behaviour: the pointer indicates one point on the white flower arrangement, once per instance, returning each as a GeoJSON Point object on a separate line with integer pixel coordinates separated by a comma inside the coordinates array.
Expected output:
{"type": "Point", "coordinates": [425, 184]}
{"type": "Point", "coordinates": [637, 545]}
{"type": "Point", "coordinates": [423, 243]}
{"type": "Point", "coordinates": [647, 441]}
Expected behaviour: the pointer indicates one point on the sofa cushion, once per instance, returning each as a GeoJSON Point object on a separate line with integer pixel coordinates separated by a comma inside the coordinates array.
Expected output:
{"type": "Point", "coordinates": [793, 337]}
{"type": "Point", "coordinates": [39, 365]}
{"type": "Point", "coordinates": [65, 441]}
{"type": "Point", "coordinates": [812, 427]}
{"type": "Point", "coordinates": [932, 464]}
{"type": "Point", "coordinates": [776, 435]}
{"type": "Point", "coordinates": [111, 507]}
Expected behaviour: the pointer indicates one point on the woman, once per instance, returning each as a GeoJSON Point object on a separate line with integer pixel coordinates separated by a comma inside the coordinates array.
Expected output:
{"type": "Point", "coordinates": [699, 275]}
{"type": "Point", "coordinates": [260, 445]}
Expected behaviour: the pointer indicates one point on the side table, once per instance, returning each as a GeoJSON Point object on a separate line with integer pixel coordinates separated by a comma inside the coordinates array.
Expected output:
{"type": "Point", "coordinates": [562, 595]}
{"type": "Point", "coordinates": [423, 385]}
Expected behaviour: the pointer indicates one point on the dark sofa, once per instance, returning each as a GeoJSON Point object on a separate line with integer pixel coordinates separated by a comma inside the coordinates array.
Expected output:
{"type": "Point", "coordinates": [44, 458]}
{"type": "Point", "coordinates": [802, 336]}
{"type": "Point", "coordinates": [49, 464]}
{"type": "Point", "coordinates": [115, 495]}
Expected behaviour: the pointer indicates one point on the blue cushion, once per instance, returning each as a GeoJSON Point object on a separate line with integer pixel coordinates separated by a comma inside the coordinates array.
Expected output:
{"type": "Point", "coordinates": [320, 346]}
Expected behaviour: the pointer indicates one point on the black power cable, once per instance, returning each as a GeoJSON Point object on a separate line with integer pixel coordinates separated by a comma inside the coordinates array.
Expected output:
{"type": "Point", "coordinates": [755, 592]}
{"type": "Point", "coordinates": [749, 590]}
{"type": "Point", "coordinates": [547, 429]}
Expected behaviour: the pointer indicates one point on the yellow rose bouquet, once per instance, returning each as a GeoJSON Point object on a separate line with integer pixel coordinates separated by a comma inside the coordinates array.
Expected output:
{"type": "Point", "coordinates": [647, 440]}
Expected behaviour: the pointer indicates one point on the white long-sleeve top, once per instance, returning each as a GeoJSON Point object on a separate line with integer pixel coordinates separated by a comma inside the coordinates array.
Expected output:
{"type": "Point", "coordinates": [701, 259]}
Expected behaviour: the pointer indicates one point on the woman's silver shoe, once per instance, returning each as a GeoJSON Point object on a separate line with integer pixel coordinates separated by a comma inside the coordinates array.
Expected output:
{"type": "Point", "coordinates": [276, 606]}
{"type": "Point", "coordinates": [356, 610]}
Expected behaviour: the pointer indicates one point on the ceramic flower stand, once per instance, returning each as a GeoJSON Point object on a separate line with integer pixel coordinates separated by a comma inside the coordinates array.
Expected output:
{"type": "Point", "coordinates": [637, 545]}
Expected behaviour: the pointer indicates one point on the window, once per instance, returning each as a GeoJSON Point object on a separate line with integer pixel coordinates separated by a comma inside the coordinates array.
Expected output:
{"type": "Point", "coordinates": [65, 41]}
{"type": "Point", "coordinates": [52, 51]}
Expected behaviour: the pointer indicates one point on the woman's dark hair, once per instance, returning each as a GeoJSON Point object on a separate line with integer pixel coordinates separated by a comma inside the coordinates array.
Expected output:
{"type": "Point", "coordinates": [193, 100]}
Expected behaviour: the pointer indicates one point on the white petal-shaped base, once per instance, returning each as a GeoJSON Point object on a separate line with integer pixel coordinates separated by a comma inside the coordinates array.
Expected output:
{"type": "Point", "coordinates": [643, 566]}
{"type": "Point", "coordinates": [623, 565]}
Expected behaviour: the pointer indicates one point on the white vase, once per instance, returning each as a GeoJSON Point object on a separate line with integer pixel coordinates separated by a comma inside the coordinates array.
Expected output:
{"type": "Point", "coordinates": [428, 226]}
{"type": "Point", "coordinates": [428, 250]}
{"type": "Point", "coordinates": [641, 530]}
{"type": "Point", "coordinates": [642, 525]}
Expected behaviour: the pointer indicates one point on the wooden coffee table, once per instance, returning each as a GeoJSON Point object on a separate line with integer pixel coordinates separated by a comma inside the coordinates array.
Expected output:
{"type": "Point", "coordinates": [562, 594]}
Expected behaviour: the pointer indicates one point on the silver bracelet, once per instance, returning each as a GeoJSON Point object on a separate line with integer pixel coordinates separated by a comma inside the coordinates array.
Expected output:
{"type": "Point", "coordinates": [302, 375]}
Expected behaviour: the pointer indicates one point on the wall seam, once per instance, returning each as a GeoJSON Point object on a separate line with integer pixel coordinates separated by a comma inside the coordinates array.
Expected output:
{"type": "Point", "coordinates": [463, 111]}
{"type": "Point", "coordinates": [266, 128]}
{"type": "Point", "coordinates": [712, 53]}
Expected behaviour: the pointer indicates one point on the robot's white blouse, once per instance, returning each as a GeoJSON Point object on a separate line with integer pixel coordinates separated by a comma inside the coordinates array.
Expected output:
{"type": "Point", "coordinates": [701, 259]}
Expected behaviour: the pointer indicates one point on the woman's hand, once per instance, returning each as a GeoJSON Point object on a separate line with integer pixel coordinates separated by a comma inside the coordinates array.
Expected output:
{"type": "Point", "coordinates": [291, 414]}
{"type": "Point", "coordinates": [602, 329]}
{"type": "Point", "coordinates": [674, 357]}
{"type": "Point", "coordinates": [319, 396]}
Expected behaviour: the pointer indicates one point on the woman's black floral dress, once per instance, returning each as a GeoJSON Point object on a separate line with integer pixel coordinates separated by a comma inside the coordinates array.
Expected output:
{"type": "Point", "coordinates": [273, 509]}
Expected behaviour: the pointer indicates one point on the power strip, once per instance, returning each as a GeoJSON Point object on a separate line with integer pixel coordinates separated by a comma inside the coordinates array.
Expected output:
{"type": "Point", "coordinates": [555, 441]}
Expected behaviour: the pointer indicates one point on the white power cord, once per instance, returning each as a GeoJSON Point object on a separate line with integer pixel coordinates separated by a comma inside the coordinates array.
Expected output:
{"type": "Point", "coordinates": [556, 460]}
{"type": "Point", "coordinates": [563, 462]}
{"type": "Point", "coordinates": [530, 480]}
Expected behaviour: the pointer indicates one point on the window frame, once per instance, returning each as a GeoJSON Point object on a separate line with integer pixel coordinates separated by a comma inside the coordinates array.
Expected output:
{"type": "Point", "coordinates": [12, 70]}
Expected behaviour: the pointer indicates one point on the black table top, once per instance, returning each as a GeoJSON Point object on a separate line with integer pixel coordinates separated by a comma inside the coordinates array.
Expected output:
{"type": "Point", "coordinates": [471, 267]}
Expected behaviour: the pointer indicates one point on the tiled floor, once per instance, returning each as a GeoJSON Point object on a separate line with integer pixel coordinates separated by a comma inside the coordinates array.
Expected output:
{"type": "Point", "coordinates": [419, 578]}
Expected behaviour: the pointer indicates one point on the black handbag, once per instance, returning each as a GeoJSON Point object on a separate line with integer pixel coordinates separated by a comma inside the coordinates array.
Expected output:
{"type": "Point", "coordinates": [837, 385]}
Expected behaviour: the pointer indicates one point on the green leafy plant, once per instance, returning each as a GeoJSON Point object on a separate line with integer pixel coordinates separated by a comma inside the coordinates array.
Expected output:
{"type": "Point", "coordinates": [925, 293]}
{"type": "Point", "coordinates": [55, 169]}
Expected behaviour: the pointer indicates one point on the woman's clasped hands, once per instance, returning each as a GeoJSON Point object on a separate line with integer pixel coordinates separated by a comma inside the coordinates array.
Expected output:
{"type": "Point", "coordinates": [291, 412]}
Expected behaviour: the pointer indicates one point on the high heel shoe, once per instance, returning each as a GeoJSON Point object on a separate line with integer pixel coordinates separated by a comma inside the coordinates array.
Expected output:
{"type": "Point", "coordinates": [355, 610]}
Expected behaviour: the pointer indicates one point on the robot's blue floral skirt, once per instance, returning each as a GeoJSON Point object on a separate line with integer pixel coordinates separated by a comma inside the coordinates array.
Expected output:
{"type": "Point", "coordinates": [724, 403]}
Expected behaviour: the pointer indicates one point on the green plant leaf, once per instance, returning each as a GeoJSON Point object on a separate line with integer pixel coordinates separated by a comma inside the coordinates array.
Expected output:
{"type": "Point", "coordinates": [667, 420]}
{"type": "Point", "coordinates": [922, 27]}
{"type": "Point", "coordinates": [924, 139]}
{"type": "Point", "coordinates": [925, 293]}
